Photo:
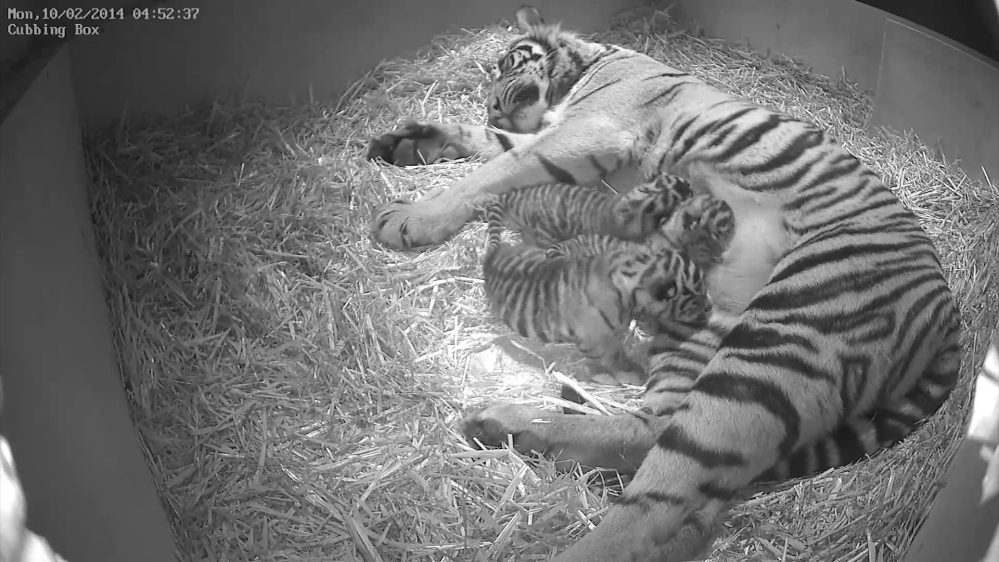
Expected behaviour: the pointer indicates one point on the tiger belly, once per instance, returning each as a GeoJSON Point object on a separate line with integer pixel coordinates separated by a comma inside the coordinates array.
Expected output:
{"type": "Point", "coordinates": [761, 238]}
{"type": "Point", "coordinates": [759, 242]}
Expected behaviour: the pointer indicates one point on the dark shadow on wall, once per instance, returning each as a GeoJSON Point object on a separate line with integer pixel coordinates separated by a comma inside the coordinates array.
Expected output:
{"type": "Point", "coordinates": [973, 23]}
{"type": "Point", "coordinates": [279, 51]}
{"type": "Point", "coordinates": [34, 30]}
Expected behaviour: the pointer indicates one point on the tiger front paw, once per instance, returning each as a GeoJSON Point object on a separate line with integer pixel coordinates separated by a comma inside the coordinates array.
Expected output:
{"type": "Point", "coordinates": [413, 144]}
{"type": "Point", "coordinates": [492, 426]}
{"type": "Point", "coordinates": [417, 225]}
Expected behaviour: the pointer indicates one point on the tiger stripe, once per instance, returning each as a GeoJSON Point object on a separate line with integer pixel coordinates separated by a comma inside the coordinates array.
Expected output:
{"type": "Point", "coordinates": [833, 332]}
{"type": "Point", "coordinates": [589, 299]}
{"type": "Point", "coordinates": [555, 212]}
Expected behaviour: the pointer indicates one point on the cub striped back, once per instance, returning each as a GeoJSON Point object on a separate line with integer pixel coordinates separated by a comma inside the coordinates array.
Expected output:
{"type": "Point", "coordinates": [549, 213]}
{"type": "Point", "coordinates": [587, 245]}
{"type": "Point", "coordinates": [703, 242]}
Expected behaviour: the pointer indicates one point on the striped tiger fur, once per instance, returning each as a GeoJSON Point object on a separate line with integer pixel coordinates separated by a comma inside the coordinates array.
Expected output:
{"type": "Point", "coordinates": [585, 245]}
{"type": "Point", "coordinates": [833, 331]}
{"type": "Point", "coordinates": [590, 300]}
{"type": "Point", "coordinates": [552, 212]}
{"type": "Point", "coordinates": [701, 229]}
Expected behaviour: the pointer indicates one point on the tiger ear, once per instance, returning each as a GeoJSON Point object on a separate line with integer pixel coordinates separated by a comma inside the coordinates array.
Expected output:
{"type": "Point", "coordinates": [528, 18]}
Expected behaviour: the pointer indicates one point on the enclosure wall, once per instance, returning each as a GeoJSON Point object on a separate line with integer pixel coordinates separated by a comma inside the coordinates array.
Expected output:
{"type": "Point", "coordinates": [279, 50]}
{"type": "Point", "coordinates": [923, 81]}
{"type": "Point", "coordinates": [65, 414]}
{"type": "Point", "coordinates": [66, 408]}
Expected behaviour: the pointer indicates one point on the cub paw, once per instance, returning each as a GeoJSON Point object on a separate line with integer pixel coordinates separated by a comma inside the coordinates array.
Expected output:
{"type": "Point", "coordinates": [413, 144]}
{"type": "Point", "coordinates": [492, 425]}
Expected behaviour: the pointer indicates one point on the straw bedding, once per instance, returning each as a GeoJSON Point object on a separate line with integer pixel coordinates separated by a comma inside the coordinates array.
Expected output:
{"type": "Point", "coordinates": [297, 388]}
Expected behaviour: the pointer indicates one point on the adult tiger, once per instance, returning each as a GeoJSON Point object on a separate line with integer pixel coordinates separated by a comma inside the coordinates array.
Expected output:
{"type": "Point", "coordinates": [833, 331]}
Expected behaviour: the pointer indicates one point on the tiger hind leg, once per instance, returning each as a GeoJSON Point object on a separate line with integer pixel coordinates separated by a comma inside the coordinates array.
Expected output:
{"type": "Point", "coordinates": [887, 424]}
{"type": "Point", "coordinates": [617, 442]}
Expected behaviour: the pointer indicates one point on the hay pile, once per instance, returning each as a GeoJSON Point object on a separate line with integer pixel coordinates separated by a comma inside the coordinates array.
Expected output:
{"type": "Point", "coordinates": [298, 389]}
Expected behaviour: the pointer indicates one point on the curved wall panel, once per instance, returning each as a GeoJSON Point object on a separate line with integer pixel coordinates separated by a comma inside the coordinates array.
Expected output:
{"type": "Point", "coordinates": [281, 51]}
{"type": "Point", "coordinates": [922, 81]}
{"type": "Point", "coordinates": [291, 51]}
{"type": "Point", "coordinates": [89, 491]}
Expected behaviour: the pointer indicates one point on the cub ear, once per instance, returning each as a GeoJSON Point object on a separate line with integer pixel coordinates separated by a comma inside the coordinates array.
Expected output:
{"type": "Point", "coordinates": [528, 18]}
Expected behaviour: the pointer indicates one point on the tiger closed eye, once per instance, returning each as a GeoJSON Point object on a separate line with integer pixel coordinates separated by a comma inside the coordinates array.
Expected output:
{"type": "Point", "coordinates": [526, 94]}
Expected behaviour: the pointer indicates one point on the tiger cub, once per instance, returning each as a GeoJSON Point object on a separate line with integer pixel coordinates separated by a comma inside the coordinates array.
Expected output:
{"type": "Point", "coordinates": [549, 213]}
{"type": "Point", "coordinates": [701, 229]}
{"type": "Point", "coordinates": [589, 300]}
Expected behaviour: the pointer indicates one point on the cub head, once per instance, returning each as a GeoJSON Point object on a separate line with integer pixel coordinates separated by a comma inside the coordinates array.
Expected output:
{"type": "Point", "coordinates": [679, 291]}
{"type": "Point", "coordinates": [536, 72]}
{"type": "Point", "coordinates": [642, 210]}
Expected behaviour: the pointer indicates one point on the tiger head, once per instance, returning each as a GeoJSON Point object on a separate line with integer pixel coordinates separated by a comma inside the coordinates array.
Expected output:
{"type": "Point", "coordinates": [649, 206]}
{"type": "Point", "coordinates": [536, 72]}
{"type": "Point", "coordinates": [677, 291]}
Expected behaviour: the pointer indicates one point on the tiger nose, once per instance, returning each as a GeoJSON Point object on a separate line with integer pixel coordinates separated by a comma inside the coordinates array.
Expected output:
{"type": "Point", "coordinates": [499, 122]}
{"type": "Point", "coordinates": [495, 116]}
